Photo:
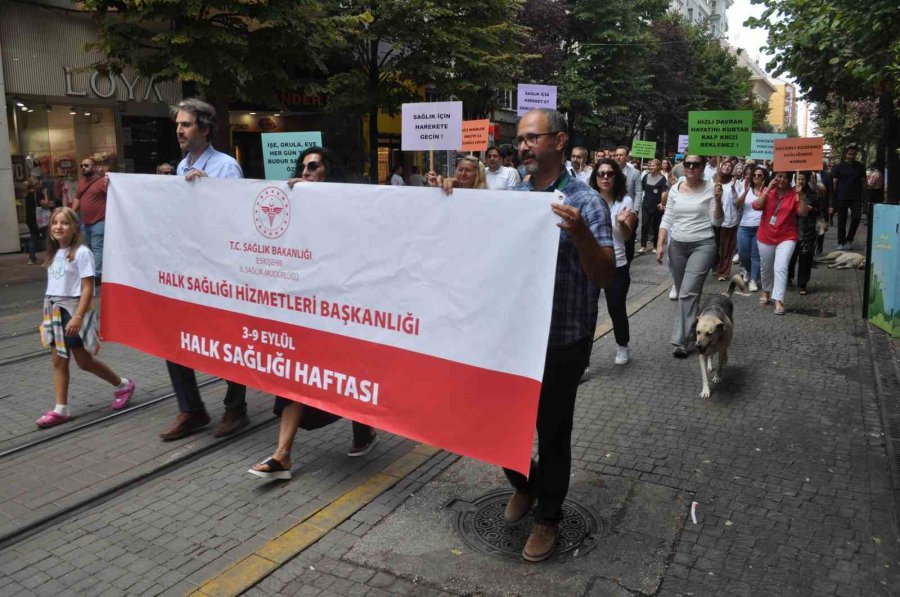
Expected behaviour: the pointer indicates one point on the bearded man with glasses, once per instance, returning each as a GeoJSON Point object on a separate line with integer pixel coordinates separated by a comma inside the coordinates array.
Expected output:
{"type": "Point", "coordinates": [586, 263]}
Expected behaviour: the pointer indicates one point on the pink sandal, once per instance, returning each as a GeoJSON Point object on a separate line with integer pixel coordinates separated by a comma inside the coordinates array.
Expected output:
{"type": "Point", "coordinates": [123, 396]}
{"type": "Point", "coordinates": [52, 419]}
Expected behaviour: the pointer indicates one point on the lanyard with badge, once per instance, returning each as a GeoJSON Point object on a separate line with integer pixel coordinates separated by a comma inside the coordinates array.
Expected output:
{"type": "Point", "coordinates": [774, 217]}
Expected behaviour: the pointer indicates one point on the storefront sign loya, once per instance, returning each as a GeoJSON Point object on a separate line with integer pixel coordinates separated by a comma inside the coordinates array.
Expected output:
{"type": "Point", "coordinates": [419, 337]}
{"type": "Point", "coordinates": [105, 86]}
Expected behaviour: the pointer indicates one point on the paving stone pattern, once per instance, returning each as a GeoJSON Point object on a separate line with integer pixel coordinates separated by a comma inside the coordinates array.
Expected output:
{"type": "Point", "coordinates": [786, 462]}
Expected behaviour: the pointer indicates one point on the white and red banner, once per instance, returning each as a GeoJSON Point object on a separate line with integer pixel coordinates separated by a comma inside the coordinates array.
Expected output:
{"type": "Point", "coordinates": [399, 307]}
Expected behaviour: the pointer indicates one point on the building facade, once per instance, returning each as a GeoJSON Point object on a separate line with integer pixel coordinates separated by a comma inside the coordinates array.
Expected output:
{"type": "Point", "coordinates": [783, 106]}
{"type": "Point", "coordinates": [763, 86]}
{"type": "Point", "coordinates": [707, 13]}
{"type": "Point", "coordinates": [58, 109]}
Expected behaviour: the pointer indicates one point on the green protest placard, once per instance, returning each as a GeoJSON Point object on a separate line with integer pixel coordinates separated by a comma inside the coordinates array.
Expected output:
{"type": "Point", "coordinates": [720, 132]}
{"type": "Point", "coordinates": [643, 149]}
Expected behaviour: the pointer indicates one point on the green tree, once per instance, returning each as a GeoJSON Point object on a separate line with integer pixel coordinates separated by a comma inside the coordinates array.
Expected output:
{"type": "Point", "coordinates": [843, 47]}
{"type": "Point", "coordinates": [229, 49]}
{"type": "Point", "coordinates": [465, 49]}
{"type": "Point", "coordinates": [843, 122]}
{"type": "Point", "coordinates": [608, 47]}
{"type": "Point", "coordinates": [705, 76]}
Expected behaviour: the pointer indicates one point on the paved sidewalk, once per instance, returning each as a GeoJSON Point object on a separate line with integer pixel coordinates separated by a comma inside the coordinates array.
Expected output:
{"type": "Point", "coordinates": [786, 463]}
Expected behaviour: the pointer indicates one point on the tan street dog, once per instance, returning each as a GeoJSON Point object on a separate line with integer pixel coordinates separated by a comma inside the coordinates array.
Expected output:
{"type": "Point", "coordinates": [844, 260]}
{"type": "Point", "coordinates": [715, 328]}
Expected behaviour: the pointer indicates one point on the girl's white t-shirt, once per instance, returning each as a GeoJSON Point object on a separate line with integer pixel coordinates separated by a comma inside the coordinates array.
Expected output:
{"type": "Point", "coordinates": [618, 234]}
{"type": "Point", "coordinates": [64, 276]}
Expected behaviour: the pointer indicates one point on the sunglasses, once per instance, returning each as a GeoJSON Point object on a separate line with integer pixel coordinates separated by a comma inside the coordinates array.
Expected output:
{"type": "Point", "coordinates": [605, 174]}
{"type": "Point", "coordinates": [312, 166]}
{"type": "Point", "coordinates": [692, 164]}
{"type": "Point", "coordinates": [172, 172]}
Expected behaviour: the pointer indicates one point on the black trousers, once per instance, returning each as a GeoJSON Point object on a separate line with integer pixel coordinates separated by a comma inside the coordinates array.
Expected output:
{"type": "Point", "coordinates": [315, 418]}
{"type": "Point", "coordinates": [616, 296]}
{"type": "Point", "coordinates": [629, 245]}
{"type": "Point", "coordinates": [854, 207]}
{"type": "Point", "coordinates": [650, 221]}
{"type": "Point", "coordinates": [802, 263]}
{"type": "Point", "coordinates": [548, 479]}
{"type": "Point", "coordinates": [184, 382]}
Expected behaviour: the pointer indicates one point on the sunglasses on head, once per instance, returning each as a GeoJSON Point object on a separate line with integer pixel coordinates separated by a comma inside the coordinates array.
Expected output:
{"type": "Point", "coordinates": [605, 174]}
{"type": "Point", "coordinates": [312, 166]}
{"type": "Point", "coordinates": [692, 164]}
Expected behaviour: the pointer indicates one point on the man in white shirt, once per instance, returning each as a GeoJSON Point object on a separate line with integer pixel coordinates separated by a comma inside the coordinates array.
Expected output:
{"type": "Point", "coordinates": [397, 176]}
{"type": "Point", "coordinates": [712, 167]}
{"type": "Point", "coordinates": [579, 164]}
{"type": "Point", "coordinates": [195, 122]}
{"type": "Point", "coordinates": [499, 177]}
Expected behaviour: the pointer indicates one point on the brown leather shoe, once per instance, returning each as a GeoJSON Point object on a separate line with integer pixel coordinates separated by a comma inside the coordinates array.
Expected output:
{"type": "Point", "coordinates": [517, 507]}
{"type": "Point", "coordinates": [185, 424]}
{"type": "Point", "coordinates": [541, 542]}
{"type": "Point", "coordinates": [232, 422]}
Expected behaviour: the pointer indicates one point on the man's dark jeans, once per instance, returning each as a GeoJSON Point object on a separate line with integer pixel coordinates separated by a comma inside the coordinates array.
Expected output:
{"type": "Point", "coordinates": [184, 382]}
{"type": "Point", "coordinates": [548, 480]}
{"type": "Point", "coordinates": [855, 209]}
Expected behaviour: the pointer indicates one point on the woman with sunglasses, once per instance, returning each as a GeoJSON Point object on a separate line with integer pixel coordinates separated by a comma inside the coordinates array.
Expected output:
{"type": "Point", "coordinates": [609, 180]}
{"type": "Point", "coordinates": [315, 164]}
{"type": "Point", "coordinates": [777, 235]}
{"type": "Point", "coordinates": [470, 174]}
{"type": "Point", "coordinates": [694, 205]}
{"type": "Point", "coordinates": [748, 250]}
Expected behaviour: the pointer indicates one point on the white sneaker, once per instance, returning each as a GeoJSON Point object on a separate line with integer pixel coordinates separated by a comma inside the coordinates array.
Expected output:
{"type": "Point", "coordinates": [622, 354]}
{"type": "Point", "coordinates": [840, 247]}
{"type": "Point", "coordinates": [752, 286]}
{"type": "Point", "coordinates": [673, 294]}
{"type": "Point", "coordinates": [736, 258]}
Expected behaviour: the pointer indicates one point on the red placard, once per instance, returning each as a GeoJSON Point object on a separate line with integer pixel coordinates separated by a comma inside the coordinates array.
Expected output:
{"type": "Point", "coordinates": [475, 135]}
{"type": "Point", "coordinates": [792, 155]}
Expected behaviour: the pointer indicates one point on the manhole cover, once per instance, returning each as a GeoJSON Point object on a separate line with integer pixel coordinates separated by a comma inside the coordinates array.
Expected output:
{"type": "Point", "coordinates": [480, 524]}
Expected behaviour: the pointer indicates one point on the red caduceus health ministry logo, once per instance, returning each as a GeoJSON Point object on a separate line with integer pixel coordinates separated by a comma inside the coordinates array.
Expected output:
{"type": "Point", "coordinates": [272, 212]}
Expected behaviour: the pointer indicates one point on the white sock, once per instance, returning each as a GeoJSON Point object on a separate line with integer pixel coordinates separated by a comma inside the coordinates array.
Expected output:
{"type": "Point", "coordinates": [122, 384]}
{"type": "Point", "coordinates": [61, 409]}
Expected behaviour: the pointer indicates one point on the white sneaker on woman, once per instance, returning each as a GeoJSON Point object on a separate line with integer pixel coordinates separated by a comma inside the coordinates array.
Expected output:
{"type": "Point", "coordinates": [752, 286]}
{"type": "Point", "coordinates": [673, 294]}
{"type": "Point", "coordinates": [622, 355]}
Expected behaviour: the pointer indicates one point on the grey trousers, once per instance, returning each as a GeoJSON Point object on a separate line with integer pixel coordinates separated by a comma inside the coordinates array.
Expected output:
{"type": "Point", "coordinates": [691, 262]}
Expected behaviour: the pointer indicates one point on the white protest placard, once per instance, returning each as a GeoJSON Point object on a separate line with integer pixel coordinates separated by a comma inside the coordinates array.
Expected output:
{"type": "Point", "coordinates": [430, 126]}
{"type": "Point", "coordinates": [535, 96]}
{"type": "Point", "coordinates": [407, 328]}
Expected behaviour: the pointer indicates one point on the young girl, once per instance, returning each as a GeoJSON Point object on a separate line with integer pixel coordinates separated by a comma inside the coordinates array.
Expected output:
{"type": "Point", "coordinates": [70, 324]}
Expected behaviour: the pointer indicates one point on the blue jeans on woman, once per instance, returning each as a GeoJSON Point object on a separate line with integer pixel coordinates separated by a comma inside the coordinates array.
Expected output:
{"type": "Point", "coordinates": [748, 251]}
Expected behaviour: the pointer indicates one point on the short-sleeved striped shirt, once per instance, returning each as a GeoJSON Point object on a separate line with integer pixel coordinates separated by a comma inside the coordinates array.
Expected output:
{"type": "Point", "coordinates": [575, 297]}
